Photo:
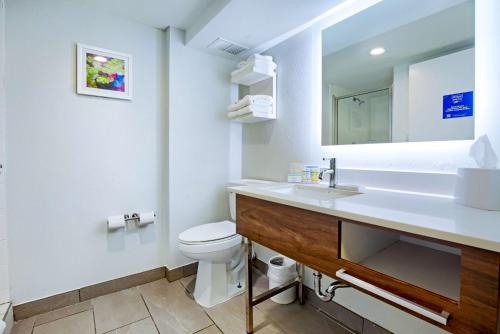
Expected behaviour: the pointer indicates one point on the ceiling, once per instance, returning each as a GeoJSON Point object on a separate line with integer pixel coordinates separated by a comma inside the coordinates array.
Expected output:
{"type": "Point", "coordinates": [250, 23]}
{"type": "Point", "coordinates": [253, 23]}
{"type": "Point", "coordinates": [157, 13]}
{"type": "Point", "coordinates": [352, 67]}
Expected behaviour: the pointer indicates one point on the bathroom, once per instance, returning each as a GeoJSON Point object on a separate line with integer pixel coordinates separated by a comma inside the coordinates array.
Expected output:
{"type": "Point", "coordinates": [99, 185]}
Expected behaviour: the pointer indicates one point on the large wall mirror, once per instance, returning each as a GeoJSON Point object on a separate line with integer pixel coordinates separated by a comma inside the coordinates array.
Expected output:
{"type": "Point", "coordinates": [400, 71]}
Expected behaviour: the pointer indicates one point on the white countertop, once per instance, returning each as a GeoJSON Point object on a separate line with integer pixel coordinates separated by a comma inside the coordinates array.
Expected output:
{"type": "Point", "coordinates": [429, 216]}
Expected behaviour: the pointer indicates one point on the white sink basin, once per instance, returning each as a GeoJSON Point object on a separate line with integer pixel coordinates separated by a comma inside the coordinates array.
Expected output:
{"type": "Point", "coordinates": [315, 192]}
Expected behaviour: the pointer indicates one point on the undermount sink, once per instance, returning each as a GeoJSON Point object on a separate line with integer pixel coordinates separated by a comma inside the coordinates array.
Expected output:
{"type": "Point", "coordinates": [317, 192]}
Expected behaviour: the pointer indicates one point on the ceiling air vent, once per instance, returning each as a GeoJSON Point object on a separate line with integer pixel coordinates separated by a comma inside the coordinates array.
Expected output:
{"type": "Point", "coordinates": [224, 45]}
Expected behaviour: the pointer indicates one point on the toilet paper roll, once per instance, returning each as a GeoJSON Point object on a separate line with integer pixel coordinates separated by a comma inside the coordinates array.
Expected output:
{"type": "Point", "coordinates": [116, 222]}
{"type": "Point", "coordinates": [146, 218]}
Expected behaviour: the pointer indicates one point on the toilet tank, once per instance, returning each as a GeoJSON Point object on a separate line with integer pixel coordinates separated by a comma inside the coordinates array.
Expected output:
{"type": "Point", "coordinates": [238, 183]}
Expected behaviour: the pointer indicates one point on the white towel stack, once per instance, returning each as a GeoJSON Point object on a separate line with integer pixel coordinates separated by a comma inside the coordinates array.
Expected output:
{"type": "Point", "coordinates": [250, 104]}
{"type": "Point", "coordinates": [258, 62]}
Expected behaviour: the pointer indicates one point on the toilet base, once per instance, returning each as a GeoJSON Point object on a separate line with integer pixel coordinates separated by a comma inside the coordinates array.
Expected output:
{"type": "Point", "coordinates": [216, 284]}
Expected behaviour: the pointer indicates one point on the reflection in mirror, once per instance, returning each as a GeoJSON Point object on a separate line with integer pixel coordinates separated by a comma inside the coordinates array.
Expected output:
{"type": "Point", "coordinates": [400, 71]}
{"type": "Point", "coordinates": [363, 118]}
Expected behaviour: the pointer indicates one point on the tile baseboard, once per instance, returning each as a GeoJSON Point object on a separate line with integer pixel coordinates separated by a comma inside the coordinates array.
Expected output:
{"type": "Point", "coordinates": [51, 303]}
{"type": "Point", "coordinates": [47, 304]}
{"type": "Point", "coordinates": [260, 266]}
{"type": "Point", "coordinates": [122, 283]}
{"type": "Point", "coordinates": [181, 272]}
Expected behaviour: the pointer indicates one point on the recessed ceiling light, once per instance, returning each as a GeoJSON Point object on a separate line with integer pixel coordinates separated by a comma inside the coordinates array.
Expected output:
{"type": "Point", "coordinates": [100, 59]}
{"type": "Point", "coordinates": [377, 51]}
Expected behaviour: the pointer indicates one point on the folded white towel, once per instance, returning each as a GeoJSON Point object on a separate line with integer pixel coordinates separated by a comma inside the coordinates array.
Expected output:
{"type": "Point", "coordinates": [257, 66]}
{"type": "Point", "coordinates": [265, 100]}
{"type": "Point", "coordinates": [257, 60]}
{"type": "Point", "coordinates": [257, 56]}
{"type": "Point", "coordinates": [250, 109]}
{"type": "Point", "coordinates": [263, 64]}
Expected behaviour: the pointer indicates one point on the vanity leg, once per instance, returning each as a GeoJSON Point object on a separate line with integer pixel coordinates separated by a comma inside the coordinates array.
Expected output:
{"type": "Point", "coordinates": [300, 269]}
{"type": "Point", "coordinates": [249, 283]}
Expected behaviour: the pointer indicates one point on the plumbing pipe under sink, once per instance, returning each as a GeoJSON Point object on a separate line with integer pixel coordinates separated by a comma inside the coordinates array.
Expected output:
{"type": "Point", "coordinates": [330, 291]}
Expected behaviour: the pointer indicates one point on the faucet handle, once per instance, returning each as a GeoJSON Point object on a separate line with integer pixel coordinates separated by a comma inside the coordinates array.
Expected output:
{"type": "Point", "coordinates": [332, 162]}
{"type": "Point", "coordinates": [331, 171]}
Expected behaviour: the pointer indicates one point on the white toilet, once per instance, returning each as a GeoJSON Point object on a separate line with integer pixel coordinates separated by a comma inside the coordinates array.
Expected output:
{"type": "Point", "coordinates": [219, 252]}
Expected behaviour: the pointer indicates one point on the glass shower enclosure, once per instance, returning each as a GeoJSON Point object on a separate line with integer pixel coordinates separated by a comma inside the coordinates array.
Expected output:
{"type": "Point", "coordinates": [363, 118]}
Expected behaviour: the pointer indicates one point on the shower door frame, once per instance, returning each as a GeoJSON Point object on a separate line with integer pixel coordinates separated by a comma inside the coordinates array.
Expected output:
{"type": "Point", "coordinates": [335, 111]}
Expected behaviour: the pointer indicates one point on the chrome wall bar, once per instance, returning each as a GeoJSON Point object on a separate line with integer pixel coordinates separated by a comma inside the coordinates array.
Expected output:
{"type": "Point", "coordinates": [274, 291]}
{"type": "Point", "coordinates": [249, 283]}
{"type": "Point", "coordinates": [250, 301]}
{"type": "Point", "coordinates": [300, 270]}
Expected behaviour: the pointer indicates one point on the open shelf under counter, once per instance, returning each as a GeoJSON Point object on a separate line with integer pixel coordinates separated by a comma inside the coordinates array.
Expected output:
{"type": "Point", "coordinates": [431, 269]}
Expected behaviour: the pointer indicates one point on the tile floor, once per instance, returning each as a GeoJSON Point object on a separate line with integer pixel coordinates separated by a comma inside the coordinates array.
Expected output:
{"type": "Point", "coordinates": [168, 308]}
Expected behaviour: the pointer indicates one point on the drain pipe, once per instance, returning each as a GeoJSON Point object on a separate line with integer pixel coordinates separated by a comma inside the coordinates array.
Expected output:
{"type": "Point", "coordinates": [330, 291]}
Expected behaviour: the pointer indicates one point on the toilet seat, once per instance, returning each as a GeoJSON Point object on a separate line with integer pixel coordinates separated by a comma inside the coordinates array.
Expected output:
{"type": "Point", "coordinates": [208, 238]}
{"type": "Point", "coordinates": [208, 232]}
{"type": "Point", "coordinates": [211, 246]}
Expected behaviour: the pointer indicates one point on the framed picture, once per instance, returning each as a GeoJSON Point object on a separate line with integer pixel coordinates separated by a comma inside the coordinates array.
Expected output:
{"type": "Point", "coordinates": [103, 72]}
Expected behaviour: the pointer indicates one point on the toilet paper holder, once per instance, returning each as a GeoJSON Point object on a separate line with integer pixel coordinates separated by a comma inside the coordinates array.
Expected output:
{"type": "Point", "coordinates": [136, 217]}
{"type": "Point", "coordinates": [133, 217]}
{"type": "Point", "coordinates": [140, 220]}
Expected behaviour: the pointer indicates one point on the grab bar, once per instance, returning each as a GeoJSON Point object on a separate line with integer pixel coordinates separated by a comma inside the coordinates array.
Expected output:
{"type": "Point", "coordinates": [441, 318]}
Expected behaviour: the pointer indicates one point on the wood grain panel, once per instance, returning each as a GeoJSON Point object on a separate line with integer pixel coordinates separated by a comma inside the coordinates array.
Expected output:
{"type": "Point", "coordinates": [305, 236]}
{"type": "Point", "coordinates": [314, 239]}
{"type": "Point", "coordinates": [479, 292]}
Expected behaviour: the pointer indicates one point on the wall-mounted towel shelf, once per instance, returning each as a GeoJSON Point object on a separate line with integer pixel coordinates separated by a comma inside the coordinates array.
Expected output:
{"type": "Point", "coordinates": [254, 117]}
{"type": "Point", "coordinates": [255, 80]}
{"type": "Point", "coordinates": [251, 75]}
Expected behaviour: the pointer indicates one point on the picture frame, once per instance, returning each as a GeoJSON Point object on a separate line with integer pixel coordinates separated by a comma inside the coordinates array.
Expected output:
{"type": "Point", "coordinates": [104, 73]}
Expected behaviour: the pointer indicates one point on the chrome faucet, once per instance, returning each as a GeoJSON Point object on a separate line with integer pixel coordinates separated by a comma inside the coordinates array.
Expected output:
{"type": "Point", "coordinates": [331, 171]}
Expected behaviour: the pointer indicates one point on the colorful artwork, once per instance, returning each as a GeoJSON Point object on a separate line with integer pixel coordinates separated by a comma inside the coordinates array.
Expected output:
{"type": "Point", "coordinates": [104, 73]}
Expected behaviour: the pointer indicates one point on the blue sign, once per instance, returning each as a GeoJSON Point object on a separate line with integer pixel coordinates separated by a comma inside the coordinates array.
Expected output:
{"type": "Point", "coordinates": [458, 105]}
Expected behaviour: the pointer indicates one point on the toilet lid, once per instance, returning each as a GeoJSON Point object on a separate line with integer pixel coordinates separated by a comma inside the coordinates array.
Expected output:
{"type": "Point", "coordinates": [209, 232]}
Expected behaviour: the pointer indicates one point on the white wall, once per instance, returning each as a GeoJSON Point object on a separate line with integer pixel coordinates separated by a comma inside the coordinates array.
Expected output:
{"type": "Point", "coordinates": [4, 275]}
{"type": "Point", "coordinates": [429, 81]}
{"type": "Point", "coordinates": [202, 156]}
{"type": "Point", "coordinates": [74, 160]}
{"type": "Point", "coordinates": [487, 69]}
{"type": "Point", "coordinates": [296, 135]}
{"type": "Point", "coordinates": [400, 103]}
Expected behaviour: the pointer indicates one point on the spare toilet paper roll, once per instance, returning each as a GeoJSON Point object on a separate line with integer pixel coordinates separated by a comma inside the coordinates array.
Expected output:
{"type": "Point", "coordinates": [116, 222]}
{"type": "Point", "coordinates": [146, 218]}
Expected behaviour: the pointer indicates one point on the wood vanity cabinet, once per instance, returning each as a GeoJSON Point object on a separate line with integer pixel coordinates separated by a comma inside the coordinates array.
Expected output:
{"type": "Point", "coordinates": [314, 239]}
